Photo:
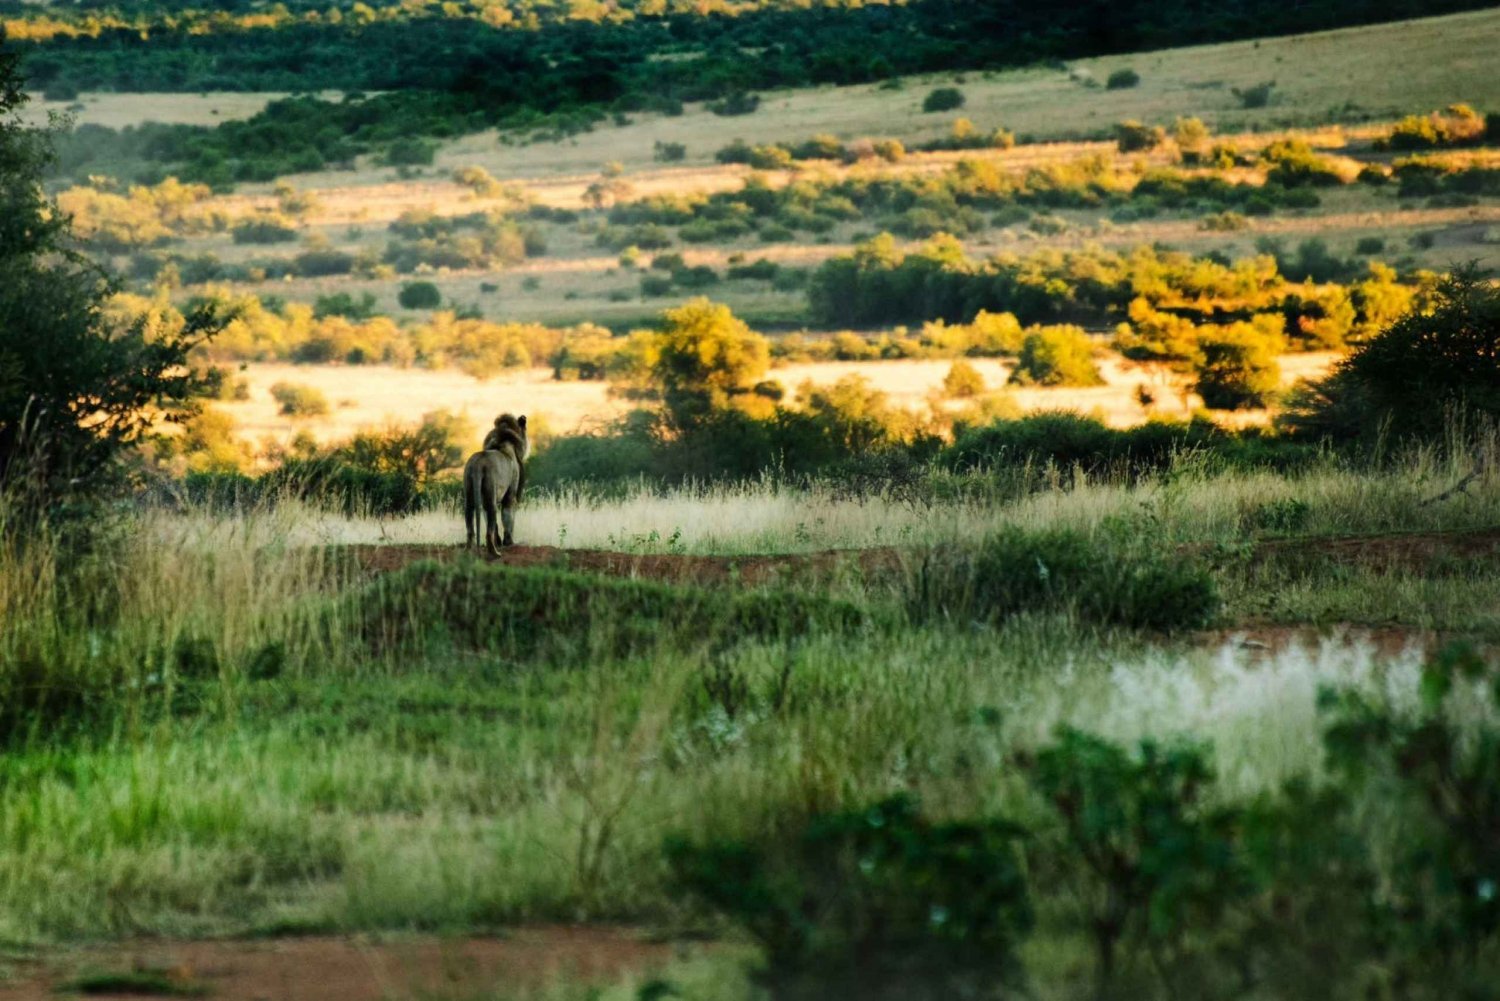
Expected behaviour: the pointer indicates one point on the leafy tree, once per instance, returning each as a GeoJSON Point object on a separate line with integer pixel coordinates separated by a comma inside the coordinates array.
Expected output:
{"type": "Point", "coordinates": [1239, 367]}
{"type": "Point", "coordinates": [1416, 373]}
{"type": "Point", "coordinates": [963, 380]}
{"type": "Point", "coordinates": [1441, 765]}
{"type": "Point", "coordinates": [1153, 861]}
{"type": "Point", "coordinates": [78, 388]}
{"type": "Point", "coordinates": [874, 902]}
{"type": "Point", "coordinates": [1133, 137]}
{"type": "Point", "coordinates": [416, 453]}
{"type": "Point", "coordinates": [943, 99]}
{"type": "Point", "coordinates": [297, 400]}
{"type": "Point", "coordinates": [1057, 356]}
{"type": "Point", "coordinates": [706, 356]}
{"type": "Point", "coordinates": [419, 295]}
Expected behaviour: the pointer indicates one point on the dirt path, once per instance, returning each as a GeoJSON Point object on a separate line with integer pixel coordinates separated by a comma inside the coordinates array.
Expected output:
{"type": "Point", "coordinates": [1409, 551]}
{"type": "Point", "coordinates": [338, 968]}
{"type": "Point", "coordinates": [673, 568]}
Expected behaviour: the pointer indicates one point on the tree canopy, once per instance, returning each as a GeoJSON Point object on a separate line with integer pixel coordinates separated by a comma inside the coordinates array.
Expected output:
{"type": "Point", "coordinates": [77, 386]}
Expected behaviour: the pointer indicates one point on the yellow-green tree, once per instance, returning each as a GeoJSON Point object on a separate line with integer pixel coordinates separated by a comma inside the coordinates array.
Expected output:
{"type": "Point", "coordinates": [706, 357]}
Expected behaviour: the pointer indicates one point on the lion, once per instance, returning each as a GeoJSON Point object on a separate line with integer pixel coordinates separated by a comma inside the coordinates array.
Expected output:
{"type": "Point", "coordinates": [496, 475]}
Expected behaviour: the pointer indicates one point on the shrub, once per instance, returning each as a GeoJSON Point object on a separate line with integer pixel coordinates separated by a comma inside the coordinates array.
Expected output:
{"type": "Point", "coordinates": [875, 902]}
{"type": "Point", "coordinates": [480, 181]}
{"type": "Point", "coordinates": [1065, 440]}
{"type": "Point", "coordinates": [345, 305]}
{"type": "Point", "coordinates": [943, 99]}
{"type": "Point", "coordinates": [299, 401]}
{"type": "Point", "coordinates": [1412, 377]}
{"type": "Point", "coordinates": [1057, 356]}
{"type": "Point", "coordinates": [1224, 222]}
{"type": "Point", "coordinates": [656, 286]}
{"type": "Point", "coordinates": [1257, 96]}
{"type": "Point", "coordinates": [665, 152]}
{"type": "Point", "coordinates": [1159, 861]}
{"type": "Point", "coordinates": [1239, 367]}
{"type": "Point", "coordinates": [1293, 163]}
{"type": "Point", "coordinates": [1456, 126]}
{"type": "Point", "coordinates": [1132, 137]}
{"type": "Point", "coordinates": [410, 151]}
{"type": "Point", "coordinates": [1121, 580]}
{"type": "Point", "coordinates": [738, 103]}
{"type": "Point", "coordinates": [1122, 79]}
{"type": "Point", "coordinates": [963, 381]}
{"type": "Point", "coordinates": [1368, 245]}
{"type": "Point", "coordinates": [264, 229]}
{"type": "Point", "coordinates": [322, 263]}
{"type": "Point", "coordinates": [1190, 133]}
{"type": "Point", "coordinates": [419, 295]}
{"type": "Point", "coordinates": [1441, 775]}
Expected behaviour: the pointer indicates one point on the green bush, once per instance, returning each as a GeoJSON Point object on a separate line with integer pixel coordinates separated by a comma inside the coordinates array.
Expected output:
{"type": "Point", "coordinates": [1122, 79]}
{"type": "Point", "coordinates": [665, 152]}
{"type": "Point", "coordinates": [1239, 368]}
{"type": "Point", "coordinates": [1064, 440]}
{"type": "Point", "coordinates": [322, 263]}
{"type": "Point", "coordinates": [1159, 865]}
{"type": "Point", "coordinates": [943, 99]}
{"type": "Point", "coordinates": [1133, 137]}
{"type": "Point", "coordinates": [656, 286]}
{"type": "Point", "coordinates": [1057, 356]}
{"type": "Point", "coordinates": [1257, 96]}
{"type": "Point", "coordinates": [963, 381]}
{"type": "Point", "coordinates": [875, 902]}
{"type": "Point", "coordinates": [737, 103]}
{"type": "Point", "coordinates": [1114, 581]}
{"type": "Point", "coordinates": [1436, 361]}
{"type": "Point", "coordinates": [525, 615]}
{"type": "Point", "coordinates": [410, 152]}
{"type": "Point", "coordinates": [264, 229]}
{"type": "Point", "coordinates": [299, 401]}
{"type": "Point", "coordinates": [419, 295]}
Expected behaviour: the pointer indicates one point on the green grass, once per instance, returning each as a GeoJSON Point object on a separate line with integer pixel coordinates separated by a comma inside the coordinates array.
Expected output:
{"type": "Point", "coordinates": [266, 743]}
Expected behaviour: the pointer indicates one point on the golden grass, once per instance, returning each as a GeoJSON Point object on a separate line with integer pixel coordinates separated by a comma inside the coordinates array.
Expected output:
{"type": "Point", "coordinates": [374, 396]}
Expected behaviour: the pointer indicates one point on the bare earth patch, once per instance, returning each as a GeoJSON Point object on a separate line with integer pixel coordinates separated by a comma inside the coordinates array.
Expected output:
{"type": "Point", "coordinates": [1412, 551]}
{"type": "Point", "coordinates": [342, 968]}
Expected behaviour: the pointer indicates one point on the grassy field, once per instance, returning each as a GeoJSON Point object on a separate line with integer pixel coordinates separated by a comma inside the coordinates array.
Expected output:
{"type": "Point", "coordinates": [266, 765]}
{"type": "Point", "coordinates": [256, 746]}
{"type": "Point", "coordinates": [367, 396]}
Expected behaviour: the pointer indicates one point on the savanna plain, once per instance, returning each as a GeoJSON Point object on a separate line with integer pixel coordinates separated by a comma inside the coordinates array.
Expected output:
{"type": "Point", "coordinates": [1009, 512]}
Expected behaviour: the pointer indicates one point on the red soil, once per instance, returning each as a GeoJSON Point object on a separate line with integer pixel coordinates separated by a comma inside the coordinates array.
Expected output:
{"type": "Point", "coordinates": [342, 968]}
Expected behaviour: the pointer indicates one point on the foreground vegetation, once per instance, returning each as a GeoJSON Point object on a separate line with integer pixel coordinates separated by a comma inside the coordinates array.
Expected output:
{"type": "Point", "coordinates": [215, 726]}
{"type": "Point", "coordinates": [955, 704]}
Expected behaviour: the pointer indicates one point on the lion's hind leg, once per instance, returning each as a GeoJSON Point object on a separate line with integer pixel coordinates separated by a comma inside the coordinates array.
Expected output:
{"type": "Point", "coordinates": [491, 530]}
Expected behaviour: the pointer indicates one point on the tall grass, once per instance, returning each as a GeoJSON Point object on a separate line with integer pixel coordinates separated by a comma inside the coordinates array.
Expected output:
{"type": "Point", "coordinates": [245, 758]}
{"type": "Point", "coordinates": [1193, 502]}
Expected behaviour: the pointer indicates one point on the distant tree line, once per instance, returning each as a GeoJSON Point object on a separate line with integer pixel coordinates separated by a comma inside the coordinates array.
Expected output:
{"type": "Point", "coordinates": [452, 74]}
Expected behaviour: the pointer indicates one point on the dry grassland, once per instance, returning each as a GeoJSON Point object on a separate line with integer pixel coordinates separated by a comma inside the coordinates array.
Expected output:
{"type": "Point", "coordinates": [119, 110]}
{"type": "Point", "coordinates": [375, 396]}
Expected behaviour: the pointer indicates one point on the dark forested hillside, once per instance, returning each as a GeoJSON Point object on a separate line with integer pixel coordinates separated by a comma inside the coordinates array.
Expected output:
{"type": "Point", "coordinates": [449, 69]}
{"type": "Point", "coordinates": [541, 54]}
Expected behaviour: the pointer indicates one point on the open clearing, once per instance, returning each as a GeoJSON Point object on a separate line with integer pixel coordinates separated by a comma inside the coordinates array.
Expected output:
{"type": "Point", "coordinates": [370, 396]}
{"type": "Point", "coordinates": [118, 111]}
